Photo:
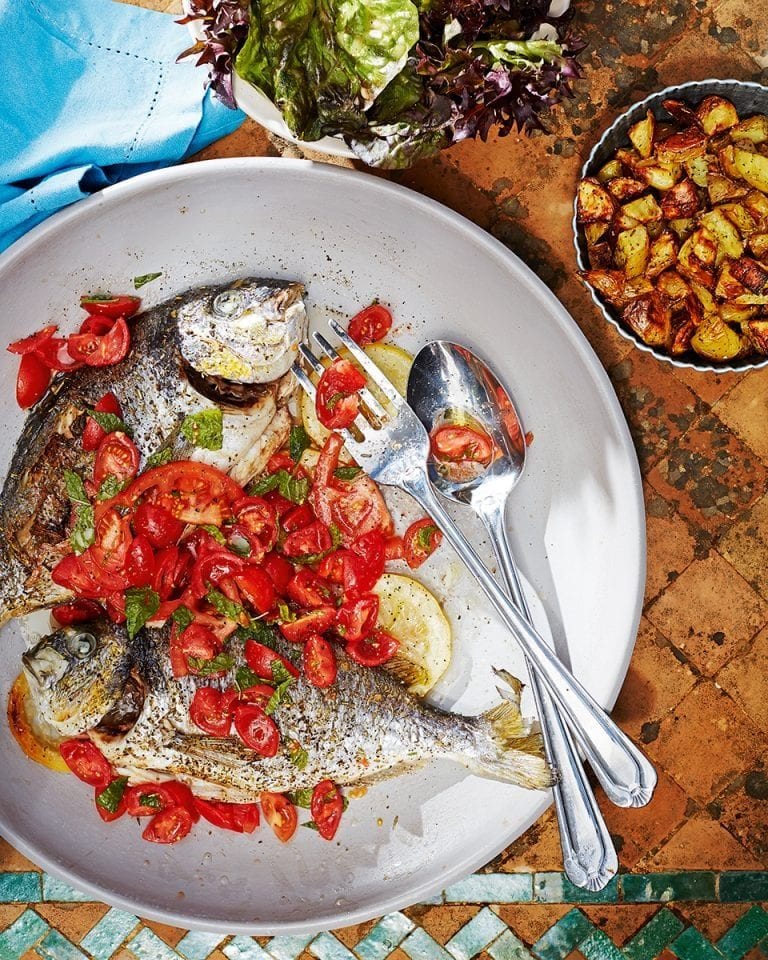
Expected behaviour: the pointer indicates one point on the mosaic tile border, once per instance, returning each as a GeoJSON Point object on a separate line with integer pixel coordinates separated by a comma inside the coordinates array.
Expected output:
{"type": "Point", "coordinates": [122, 933]}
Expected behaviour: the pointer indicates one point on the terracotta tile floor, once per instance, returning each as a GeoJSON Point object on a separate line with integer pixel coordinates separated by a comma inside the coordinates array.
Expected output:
{"type": "Point", "coordinates": [696, 694]}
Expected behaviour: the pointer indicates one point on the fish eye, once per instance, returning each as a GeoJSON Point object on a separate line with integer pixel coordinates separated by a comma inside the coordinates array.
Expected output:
{"type": "Point", "coordinates": [228, 304]}
{"type": "Point", "coordinates": [80, 644]}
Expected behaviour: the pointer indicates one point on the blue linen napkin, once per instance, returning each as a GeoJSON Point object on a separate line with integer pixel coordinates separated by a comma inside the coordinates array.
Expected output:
{"type": "Point", "coordinates": [92, 95]}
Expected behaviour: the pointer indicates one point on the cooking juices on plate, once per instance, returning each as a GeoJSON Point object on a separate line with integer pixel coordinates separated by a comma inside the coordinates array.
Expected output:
{"type": "Point", "coordinates": [229, 640]}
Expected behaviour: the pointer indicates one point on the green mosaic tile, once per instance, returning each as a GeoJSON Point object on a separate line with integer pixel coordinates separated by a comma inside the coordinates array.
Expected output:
{"type": "Point", "coordinates": [388, 933]}
{"type": "Point", "coordinates": [21, 935]}
{"type": "Point", "coordinates": [420, 946]}
{"type": "Point", "coordinates": [197, 945]}
{"type": "Point", "coordinates": [492, 888]}
{"type": "Point", "coordinates": [57, 947]}
{"type": "Point", "coordinates": [107, 935]}
{"type": "Point", "coordinates": [748, 886]}
{"type": "Point", "coordinates": [509, 947]}
{"type": "Point", "coordinates": [474, 936]}
{"type": "Point", "coordinates": [660, 931]}
{"type": "Point", "coordinates": [691, 945]}
{"type": "Point", "coordinates": [557, 888]}
{"type": "Point", "coordinates": [287, 948]}
{"type": "Point", "coordinates": [667, 887]}
{"type": "Point", "coordinates": [244, 948]}
{"type": "Point", "coordinates": [146, 945]}
{"type": "Point", "coordinates": [746, 933]}
{"type": "Point", "coordinates": [55, 889]}
{"type": "Point", "coordinates": [563, 937]}
{"type": "Point", "coordinates": [599, 946]}
{"type": "Point", "coordinates": [20, 887]}
{"type": "Point", "coordinates": [327, 947]}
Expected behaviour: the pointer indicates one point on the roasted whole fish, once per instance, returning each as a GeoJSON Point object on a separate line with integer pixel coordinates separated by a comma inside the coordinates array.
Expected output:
{"type": "Point", "coordinates": [92, 681]}
{"type": "Point", "coordinates": [229, 346]}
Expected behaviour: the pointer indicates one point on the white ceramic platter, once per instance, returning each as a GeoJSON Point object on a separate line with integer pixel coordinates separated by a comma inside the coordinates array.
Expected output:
{"type": "Point", "coordinates": [578, 525]}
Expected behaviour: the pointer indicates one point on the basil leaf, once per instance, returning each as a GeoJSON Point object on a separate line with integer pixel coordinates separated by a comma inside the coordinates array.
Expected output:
{"type": "Point", "coordinates": [336, 540]}
{"type": "Point", "coordinates": [298, 443]}
{"type": "Point", "coordinates": [264, 485]}
{"type": "Point", "coordinates": [109, 422]}
{"type": "Point", "coordinates": [204, 668]}
{"type": "Point", "coordinates": [284, 611]}
{"type": "Point", "coordinates": [311, 824]}
{"type": "Point", "coordinates": [299, 756]}
{"type": "Point", "coordinates": [141, 604]}
{"type": "Point", "coordinates": [75, 488]}
{"type": "Point", "coordinates": [205, 429]}
{"type": "Point", "coordinates": [280, 673]}
{"type": "Point", "coordinates": [110, 796]}
{"type": "Point", "coordinates": [145, 278]}
{"type": "Point", "coordinates": [214, 531]}
{"type": "Point", "coordinates": [346, 473]}
{"type": "Point", "coordinates": [281, 690]}
{"type": "Point", "coordinates": [226, 607]}
{"type": "Point", "coordinates": [301, 798]}
{"type": "Point", "coordinates": [182, 616]}
{"type": "Point", "coordinates": [152, 800]}
{"type": "Point", "coordinates": [111, 486]}
{"type": "Point", "coordinates": [84, 530]}
{"type": "Point", "coordinates": [245, 677]}
{"type": "Point", "coordinates": [159, 458]}
{"type": "Point", "coordinates": [256, 630]}
{"type": "Point", "coordinates": [295, 489]}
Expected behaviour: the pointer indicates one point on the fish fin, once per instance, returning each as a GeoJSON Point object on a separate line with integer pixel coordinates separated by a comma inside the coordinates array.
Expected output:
{"type": "Point", "coordinates": [405, 671]}
{"type": "Point", "coordinates": [224, 750]}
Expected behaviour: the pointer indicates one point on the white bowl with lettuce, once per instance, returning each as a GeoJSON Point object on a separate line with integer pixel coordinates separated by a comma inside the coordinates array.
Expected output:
{"type": "Point", "coordinates": [387, 81]}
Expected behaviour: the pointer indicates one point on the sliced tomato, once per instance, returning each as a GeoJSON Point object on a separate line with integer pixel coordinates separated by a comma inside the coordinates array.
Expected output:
{"type": "Point", "coordinates": [280, 504]}
{"type": "Point", "coordinates": [211, 710]}
{"type": "Point", "coordinates": [331, 567]}
{"type": "Point", "coordinates": [104, 350]}
{"type": "Point", "coordinates": [199, 643]}
{"type": "Point", "coordinates": [240, 817]}
{"type": "Point", "coordinates": [394, 549]}
{"type": "Point", "coordinates": [108, 581]}
{"type": "Point", "coordinates": [257, 588]}
{"type": "Point", "coordinates": [280, 814]}
{"type": "Point", "coordinates": [108, 816]}
{"type": "Point", "coordinates": [319, 661]}
{"type": "Point", "coordinates": [307, 589]}
{"type": "Point", "coordinates": [86, 761]}
{"type": "Point", "coordinates": [326, 807]}
{"type": "Point", "coordinates": [363, 564]}
{"type": "Point", "coordinates": [256, 729]}
{"type": "Point", "coordinates": [279, 570]}
{"type": "Point", "coordinates": [32, 342]}
{"type": "Point", "coordinates": [260, 659]}
{"type": "Point", "coordinates": [107, 305]}
{"type": "Point", "coordinates": [420, 541]}
{"type": "Point", "coordinates": [96, 324]}
{"type": "Point", "coordinates": [32, 380]}
{"type": "Point", "coordinates": [181, 796]}
{"type": "Point", "coordinates": [140, 562]}
{"type": "Point", "coordinates": [215, 567]}
{"type": "Point", "coordinates": [113, 541]}
{"type": "Point", "coordinates": [193, 492]}
{"type": "Point", "coordinates": [115, 607]}
{"type": "Point", "coordinates": [256, 520]}
{"type": "Point", "coordinates": [159, 526]}
{"type": "Point", "coordinates": [168, 826]}
{"type": "Point", "coordinates": [461, 443]}
{"type": "Point", "coordinates": [71, 573]}
{"type": "Point", "coordinates": [117, 456]}
{"type": "Point", "coordinates": [370, 325]}
{"type": "Point", "coordinates": [77, 611]}
{"type": "Point", "coordinates": [281, 460]}
{"type": "Point", "coordinates": [259, 693]}
{"type": "Point", "coordinates": [147, 799]}
{"type": "Point", "coordinates": [337, 401]}
{"type": "Point", "coordinates": [310, 541]}
{"type": "Point", "coordinates": [93, 434]}
{"type": "Point", "coordinates": [375, 649]}
{"type": "Point", "coordinates": [355, 619]}
{"type": "Point", "coordinates": [164, 580]}
{"type": "Point", "coordinates": [314, 621]}
{"type": "Point", "coordinates": [298, 517]}
{"type": "Point", "coordinates": [54, 354]}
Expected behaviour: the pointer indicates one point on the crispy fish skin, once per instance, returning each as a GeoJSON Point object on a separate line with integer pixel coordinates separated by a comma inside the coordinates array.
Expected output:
{"type": "Point", "coordinates": [167, 375]}
{"type": "Point", "coordinates": [365, 728]}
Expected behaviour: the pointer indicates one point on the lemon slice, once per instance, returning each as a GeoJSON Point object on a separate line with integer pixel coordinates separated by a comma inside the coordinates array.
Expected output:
{"type": "Point", "coordinates": [22, 728]}
{"type": "Point", "coordinates": [394, 363]}
{"type": "Point", "coordinates": [409, 612]}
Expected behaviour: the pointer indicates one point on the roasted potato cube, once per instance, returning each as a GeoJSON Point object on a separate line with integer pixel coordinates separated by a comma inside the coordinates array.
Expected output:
{"type": "Point", "coordinates": [593, 202]}
{"type": "Point", "coordinates": [681, 202]}
{"type": "Point", "coordinates": [663, 254]}
{"type": "Point", "coordinates": [740, 217]}
{"type": "Point", "coordinates": [682, 146]}
{"type": "Point", "coordinates": [715, 340]}
{"type": "Point", "coordinates": [752, 299]}
{"type": "Point", "coordinates": [757, 334]}
{"type": "Point", "coordinates": [641, 135]}
{"type": "Point", "coordinates": [733, 313]}
{"type": "Point", "coordinates": [681, 112]}
{"type": "Point", "coordinates": [628, 158]}
{"type": "Point", "coordinates": [672, 286]}
{"type": "Point", "coordinates": [757, 204]}
{"type": "Point", "coordinates": [632, 251]}
{"type": "Point", "coordinates": [753, 128]}
{"type": "Point", "coordinates": [726, 157]}
{"type": "Point", "coordinates": [595, 231]}
{"type": "Point", "coordinates": [643, 209]}
{"type": "Point", "coordinates": [752, 274]}
{"type": "Point", "coordinates": [610, 284]}
{"type": "Point", "coordinates": [698, 170]}
{"type": "Point", "coordinates": [622, 188]}
{"type": "Point", "coordinates": [724, 232]}
{"type": "Point", "coordinates": [682, 332]}
{"type": "Point", "coordinates": [690, 266]}
{"type": "Point", "coordinates": [637, 287]}
{"type": "Point", "coordinates": [660, 176]}
{"type": "Point", "coordinates": [758, 245]}
{"type": "Point", "coordinates": [722, 188]}
{"type": "Point", "coordinates": [600, 255]}
{"type": "Point", "coordinates": [611, 170]}
{"type": "Point", "coordinates": [623, 221]}
{"type": "Point", "coordinates": [716, 114]}
{"type": "Point", "coordinates": [752, 167]}
{"type": "Point", "coordinates": [705, 298]}
{"type": "Point", "coordinates": [705, 246]}
{"type": "Point", "coordinates": [683, 227]}
{"type": "Point", "coordinates": [650, 318]}
{"type": "Point", "coordinates": [728, 285]}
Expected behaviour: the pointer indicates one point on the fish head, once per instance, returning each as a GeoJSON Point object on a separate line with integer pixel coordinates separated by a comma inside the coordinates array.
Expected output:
{"type": "Point", "coordinates": [245, 332]}
{"type": "Point", "coordinates": [76, 675]}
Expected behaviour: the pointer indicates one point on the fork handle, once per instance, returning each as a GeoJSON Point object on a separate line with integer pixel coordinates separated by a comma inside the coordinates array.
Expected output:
{"type": "Point", "coordinates": [589, 856]}
{"type": "Point", "coordinates": [626, 775]}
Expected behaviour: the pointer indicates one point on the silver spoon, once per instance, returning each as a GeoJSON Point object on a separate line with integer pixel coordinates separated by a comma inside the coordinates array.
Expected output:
{"type": "Point", "coordinates": [446, 377]}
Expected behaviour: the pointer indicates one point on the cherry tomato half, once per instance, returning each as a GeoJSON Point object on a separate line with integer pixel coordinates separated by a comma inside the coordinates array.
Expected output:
{"type": "Point", "coordinates": [168, 826]}
{"type": "Point", "coordinates": [101, 351]}
{"type": "Point", "coordinates": [257, 588]}
{"type": "Point", "coordinates": [211, 710]}
{"type": "Point", "coordinates": [319, 661]}
{"type": "Point", "coordinates": [107, 305]}
{"type": "Point", "coordinates": [376, 649]}
{"type": "Point", "coordinates": [77, 611]}
{"type": "Point", "coordinates": [461, 443]}
{"type": "Point", "coordinates": [260, 659]}
{"type": "Point", "coordinates": [159, 526]}
{"type": "Point", "coordinates": [256, 729]}
{"type": "Point", "coordinates": [280, 814]}
{"type": "Point", "coordinates": [370, 325]}
{"type": "Point", "coordinates": [308, 541]}
{"type": "Point", "coordinates": [337, 401]}
{"type": "Point", "coordinates": [326, 807]}
{"type": "Point", "coordinates": [355, 619]}
{"type": "Point", "coordinates": [147, 799]}
{"type": "Point", "coordinates": [279, 570]}
{"type": "Point", "coordinates": [313, 621]}
{"type": "Point", "coordinates": [140, 562]}
{"type": "Point", "coordinates": [93, 434]}
{"type": "Point", "coordinates": [420, 541]}
{"type": "Point", "coordinates": [193, 492]}
{"type": "Point", "coordinates": [31, 381]}
{"type": "Point", "coordinates": [307, 589]}
{"type": "Point", "coordinates": [113, 540]}
{"type": "Point", "coordinates": [297, 517]}
{"type": "Point", "coordinates": [117, 456]}
{"type": "Point", "coordinates": [70, 572]}
{"type": "Point", "coordinates": [86, 761]}
{"type": "Point", "coordinates": [108, 816]}
{"type": "Point", "coordinates": [33, 341]}
{"type": "Point", "coordinates": [198, 642]}
{"type": "Point", "coordinates": [240, 817]}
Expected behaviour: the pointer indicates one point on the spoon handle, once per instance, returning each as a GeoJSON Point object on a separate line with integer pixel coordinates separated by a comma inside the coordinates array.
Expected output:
{"type": "Point", "coordinates": [589, 856]}
{"type": "Point", "coordinates": [625, 774]}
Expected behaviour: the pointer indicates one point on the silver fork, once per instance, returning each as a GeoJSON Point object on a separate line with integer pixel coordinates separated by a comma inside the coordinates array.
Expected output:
{"type": "Point", "coordinates": [394, 453]}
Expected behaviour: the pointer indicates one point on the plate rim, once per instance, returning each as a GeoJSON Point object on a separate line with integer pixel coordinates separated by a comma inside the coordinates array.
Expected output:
{"type": "Point", "coordinates": [488, 246]}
